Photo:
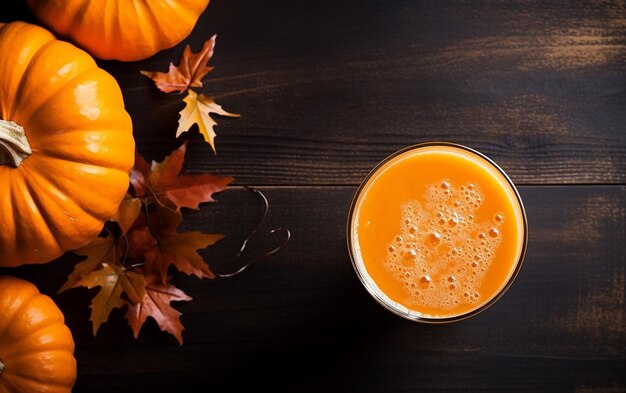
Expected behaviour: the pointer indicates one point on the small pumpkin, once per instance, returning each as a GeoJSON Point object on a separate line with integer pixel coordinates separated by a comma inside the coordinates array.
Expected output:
{"type": "Point", "coordinates": [125, 30]}
{"type": "Point", "coordinates": [36, 347]}
{"type": "Point", "coordinates": [66, 146]}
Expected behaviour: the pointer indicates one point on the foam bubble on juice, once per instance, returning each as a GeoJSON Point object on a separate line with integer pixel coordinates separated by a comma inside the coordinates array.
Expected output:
{"type": "Point", "coordinates": [442, 253]}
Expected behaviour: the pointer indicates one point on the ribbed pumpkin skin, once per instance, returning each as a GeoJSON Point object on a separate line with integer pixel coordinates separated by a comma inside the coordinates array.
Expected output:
{"type": "Point", "coordinates": [81, 137]}
{"type": "Point", "coordinates": [125, 30]}
{"type": "Point", "coordinates": [36, 347]}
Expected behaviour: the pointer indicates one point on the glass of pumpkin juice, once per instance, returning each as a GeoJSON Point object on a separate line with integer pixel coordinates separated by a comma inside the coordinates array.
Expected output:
{"type": "Point", "coordinates": [437, 232]}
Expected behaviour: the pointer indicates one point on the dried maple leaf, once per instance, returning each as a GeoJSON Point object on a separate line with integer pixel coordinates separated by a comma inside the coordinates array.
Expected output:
{"type": "Point", "coordinates": [140, 240]}
{"type": "Point", "coordinates": [130, 266]}
{"type": "Point", "coordinates": [181, 250]}
{"type": "Point", "coordinates": [156, 304]}
{"type": "Point", "coordinates": [190, 71]}
{"type": "Point", "coordinates": [177, 248]}
{"type": "Point", "coordinates": [101, 250]}
{"type": "Point", "coordinates": [164, 182]}
{"type": "Point", "coordinates": [197, 112]}
{"type": "Point", "coordinates": [139, 175]}
{"type": "Point", "coordinates": [127, 213]}
{"type": "Point", "coordinates": [113, 280]}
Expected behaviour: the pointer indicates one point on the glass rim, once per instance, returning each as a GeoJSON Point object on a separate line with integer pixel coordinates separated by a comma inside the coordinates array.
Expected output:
{"type": "Point", "coordinates": [376, 293]}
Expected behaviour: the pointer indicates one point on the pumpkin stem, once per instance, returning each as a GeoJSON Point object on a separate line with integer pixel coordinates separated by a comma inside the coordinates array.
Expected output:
{"type": "Point", "coordinates": [14, 147]}
{"type": "Point", "coordinates": [1, 367]}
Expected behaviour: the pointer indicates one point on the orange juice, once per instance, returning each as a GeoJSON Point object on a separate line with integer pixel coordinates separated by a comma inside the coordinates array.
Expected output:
{"type": "Point", "coordinates": [437, 232]}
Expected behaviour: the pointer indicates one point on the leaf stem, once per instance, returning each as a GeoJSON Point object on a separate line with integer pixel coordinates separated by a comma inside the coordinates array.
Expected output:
{"type": "Point", "coordinates": [126, 243]}
{"type": "Point", "coordinates": [126, 250]}
{"type": "Point", "coordinates": [108, 231]}
{"type": "Point", "coordinates": [136, 265]}
{"type": "Point", "coordinates": [154, 195]}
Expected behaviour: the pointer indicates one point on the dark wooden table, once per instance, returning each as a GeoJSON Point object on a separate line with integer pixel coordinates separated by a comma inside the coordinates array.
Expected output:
{"type": "Point", "coordinates": [326, 89]}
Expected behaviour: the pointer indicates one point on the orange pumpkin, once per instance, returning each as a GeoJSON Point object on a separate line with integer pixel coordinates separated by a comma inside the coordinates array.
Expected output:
{"type": "Point", "coordinates": [36, 347]}
{"type": "Point", "coordinates": [121, 29]}
{"type": "Point", "coordinates": [66, 146]}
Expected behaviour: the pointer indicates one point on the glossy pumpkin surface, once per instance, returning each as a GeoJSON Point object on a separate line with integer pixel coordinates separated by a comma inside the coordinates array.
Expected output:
{"type": "Point", "coordinates": [125, 30]}
{"type": "Point", "coordinates": [73, 117]}
{"type": "Point", "coordinates": [36, 347]}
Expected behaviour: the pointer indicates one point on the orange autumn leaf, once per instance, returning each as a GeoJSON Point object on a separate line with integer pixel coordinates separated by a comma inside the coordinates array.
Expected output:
{"type": "Point", "coordinates": [189, 72]}
{"type": "Point", "coordinates": [196, 111]}
{"type": "Point", "coordinates": [113, 280]}
{"type": "Point", "coordinates": [176, 248]}
{"type": "Point", "coordinates": [100, 251]}
{"type": "Point", "coordinates": [127, 213]}
{"type": "Point", "coordinates": [181, 250]}
{"type": "Point", "coordinates": [142, 242]}
{"type": "Point", "coordinates": [156, 304]}
{"type": "Point", "coordinates": [163, 182]}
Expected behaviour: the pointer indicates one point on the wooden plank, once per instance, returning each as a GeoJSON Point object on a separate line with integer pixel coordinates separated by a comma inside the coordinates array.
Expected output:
{"type": "Point", "coordinates": [302, 320]}
{"type": "Point", "coordinates": [327, 89]}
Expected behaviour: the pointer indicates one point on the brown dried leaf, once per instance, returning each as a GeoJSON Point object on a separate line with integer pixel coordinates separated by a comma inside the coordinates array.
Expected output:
{"type": "Point", "coordinates": [190, 71]}
{"type": "Point", "coordinates": [156, 304]}
{"type": "Point", "coordinates": [113, 280]}
{"type": "Point", "coordinates": [165, 183]}
{"type": "Point", "coordinates": [177, 248]}
{"type": "Point", "coordinates": [100, 251]}
{"type": "Point", "coordinates": [127, 213]}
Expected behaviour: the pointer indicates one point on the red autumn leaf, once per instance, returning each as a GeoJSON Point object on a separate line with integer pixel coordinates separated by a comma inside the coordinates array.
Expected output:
{"type": "Point", "coordinates": [139, 175]}
{"type": "Point", "coordinates": [140, 240]}
{"type": "Point", "coordinates": [156, 304]}
{"type": "Point", "coordinates": [189, 72]}
{"type": "Point", "coordinates": [174, 248]}
{"type": "Point", "coordinates": [164, 182]}
{"type": "Point", "coordinates": [130, 266]}
{"type": "Point", "coordinates": [113, 280]}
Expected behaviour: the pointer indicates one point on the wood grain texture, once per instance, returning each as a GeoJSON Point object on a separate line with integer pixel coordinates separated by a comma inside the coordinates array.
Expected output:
{"type": "Point", "coordinates": [326, 89]}
{"type": "Point", "coordinates": [300, 321]}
